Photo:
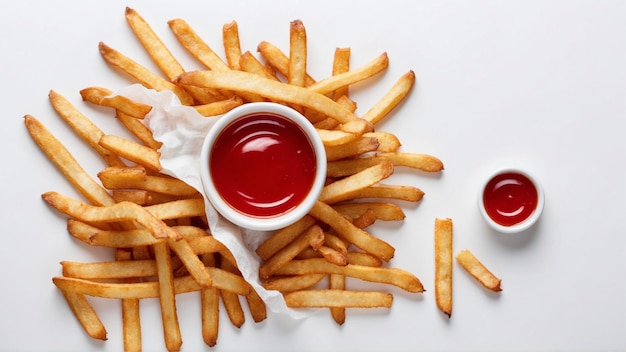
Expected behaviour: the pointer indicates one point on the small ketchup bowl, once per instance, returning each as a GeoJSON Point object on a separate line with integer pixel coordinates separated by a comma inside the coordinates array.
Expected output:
{"type": "Point", "coordinates": [263, 166]}
{"type": "Point", "coordinates": [511, 200]}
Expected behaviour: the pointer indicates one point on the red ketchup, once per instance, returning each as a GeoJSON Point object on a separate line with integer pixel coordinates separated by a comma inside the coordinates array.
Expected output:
{"type": "Point", "coordinates": [263, 165]}
{"type": "Point", "coordinates": [510, 198]}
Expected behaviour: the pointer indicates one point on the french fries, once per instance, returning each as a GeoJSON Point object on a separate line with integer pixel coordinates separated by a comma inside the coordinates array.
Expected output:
{"type": "Point", "coordinates": [478, 271]}
{"type": "Point", "coordinates": [157, 225]}
{"type": "Point", "coordinates": [443, 265]}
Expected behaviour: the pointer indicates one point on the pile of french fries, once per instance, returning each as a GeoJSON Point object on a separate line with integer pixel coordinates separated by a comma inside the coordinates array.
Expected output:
{"type": "Point", "coordinates": [156, 224]}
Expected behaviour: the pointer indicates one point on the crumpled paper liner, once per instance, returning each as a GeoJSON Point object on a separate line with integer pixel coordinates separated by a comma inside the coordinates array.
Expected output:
{"type": "Point", "coordinates": [182, 129]}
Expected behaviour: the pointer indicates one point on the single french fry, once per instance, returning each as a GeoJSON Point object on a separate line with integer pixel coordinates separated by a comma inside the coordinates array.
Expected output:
{"type": "Point", "coordinates": [66, 163]}
{"type": "Point", "coordinates": [478, 271]}
{"type": "Point", "coordinates": [283, 256]}
{"type": "Point", "coordinates": [139, 197]}
{"type": "Point", "coordinates": [423, 162]}
{"type": "Point", "coordinates": [167, 297]}
{"type": "Point", "coordinates": [131, 321]}
{"type": "Point", "coordinates": [389, 101]}
{"type": "Point", "coordinates": [443, 265]}
{"type": "Point", "coordinates": [333, 256]}
{"type": "Point", "coordinates": [338, 298]}
{"type": "Point", "coordinates": [142, 74]}
{"type": "Point", "coordinates": [135, 152]}
{"type": "Point", "coordinates": [159, 53]}
{"type": "Point", "coordinates": [341, 64]}
{"type": "Point", "coordinates": [177, 209]}
{"type": "Point", "coordinates": [218, 107]}
{"type": "Point", "coordinates": [103, 97]}
{"type": "Point", "coordinates": [83, 127]}
{"type": "Point", "coordinates": [231, 301]}
{"type": "Point", "coordinates": [353, 148]}
{"type": "Point", "coordinates": [331, 138]}
{"type": "Point", "coordinates": [383, 211]}
{"type": "Point", "coordinates": [257, 307]}
{"type": "Point", "coordinates": [400, 192]}
{"type": "Point", "coordinates": [387, 142]}
{"type": "Point", "coordinates": [86, 315]}
{"type": "Point", "coordinates": [391, 276]}
{"type": "Point", "coordinates": [351, 233]}
{"type": "Point", "coordinates": [337, 282]}
{"type": "Point", "coordinates": [328, 85]}
{"type": "Point", "coordinates": [346, 187]}
{"type": "Point", "coordinates": [210, 306]}
{"type": "Point", "coordinates": [297, 54]}
{"type": "Point", "coordinates": [366, 219]}
{"type": "Point", "coordinates": [197, 47]}
{"type": "Point", "coordinates": [232, 46]}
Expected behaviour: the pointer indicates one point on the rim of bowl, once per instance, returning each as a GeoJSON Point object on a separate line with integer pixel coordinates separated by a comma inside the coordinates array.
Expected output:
{"type": "Point", "coordinates": [263, 223]}
{"type": "Point", "coordinates": [528, 222]}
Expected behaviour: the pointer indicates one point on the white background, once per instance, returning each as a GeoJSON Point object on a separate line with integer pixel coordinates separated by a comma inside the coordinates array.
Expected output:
{"type": "Point", "coordinates": [539, 85]}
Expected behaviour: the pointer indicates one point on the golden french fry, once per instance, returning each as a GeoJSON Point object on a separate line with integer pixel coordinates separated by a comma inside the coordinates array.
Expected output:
{"type": "Point", "coordinates": [210, 306]}
{"type": "Point", "coordinates": [167, 297]}
{"type": "Point", "coordinates": [82, 126]}
{"type": "Point", "coordinates": [112, 213]}
{"type": "Point", "coordinates": [131, 325]}
{"type": "Point", "coordinates": [196, 46]}
{"type": "Point", "coordinates": [66, 163]}
{"type": "Point", "coordinates": [421, 162]}
{"type": "Point", "coordinates": [102, 96]}
{"type": "Point", "coordinates": [86, 315]}
{"type": "Point", "coordinates": [238, 81]}
{"type": "Point", "coordinates": [232, 47]}
{"type": "Point", "coordinates": [341, 64]}
{"type": "Point", "coordinates": [257, 307]}
{"type": "Point", "coordinates": [218, 107]}
{"type": "Point", "coordinates": [345, 79]}
{"type": "Point", "coordinates": [336, 243]}
{"type": "Point", "coordinates": [478, 270]}
{"type": "Point", "coordinates": [353, 148]}
{"type": "Point", "coordinates": [142, 74]}
{"type": "Point", "coordinates": [177, 209]}
{"type": "Point", "coordinates": [284, 255]}
{"type": "Point", "coordinates": [297, 54]}
{"type": "Point", "coordinates": [135, 152]}
{"type": "Point", "coordinates": [293, 283]}
{"type": "Point", "coordinates": [331, 138]}
{"type": "Point", "coordinates": [159, 53]}
{"type": "Point", "coordinates": [396, 94]}
{"type": "Point", "coordinates": [401, 192]}
{"type": "Point", "coordinates": [351, 233]}
{"type": "Point", "coordinates": [443, 265]}
{"type": "Point", "coordinates": [139, 197]}
{"type": "Point", "coordinates": [337, 282]}
{"type": "Point", "coordinates": [338, 298]}
{"type": "Point", "coordinates": [333, 256]}
{"type": "Point", "coordinates": [366, 219]}
{"type": "Point", "coordinates": [383, 211]}
{"type": "Point", "coordinates": [139, 130]}
{"type": "Point", "coordinates": [346, 187]}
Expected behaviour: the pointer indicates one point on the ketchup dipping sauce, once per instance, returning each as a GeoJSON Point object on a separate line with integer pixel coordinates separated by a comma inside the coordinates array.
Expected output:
{"type": "Point", "coordinates": [263, 166]}
{"type": "Point", "coordinates": [511, 201]}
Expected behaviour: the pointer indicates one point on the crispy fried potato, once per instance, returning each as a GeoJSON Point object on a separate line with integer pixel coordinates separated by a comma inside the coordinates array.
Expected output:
{"type": "Point", "coordinates": [232, 46]}
{"type": "Point", "coordinates": [478, 271]}
{"type": "Point", "coordinates": [139, 130]}
{"type": "Point", "coordinates": [345, 79]}
{"type": "Point", "coordinates": [421, 162]}
{"type": "Point", "coordinates": [132, 151]}
{"type": "Point", "coordinates": [395, 96]}
{"type": "Point", "coordinates": [196, 46]}
{"type": "Point", "coordinates": [296, 75]}
{"type": "Point", "coordinates": [293, 283]}
{"type": "Point", "coordinates": [346, 188]}
{"type": "Point", "coordinates": [103, 97]}
{"type": "Point", "coordinates": [86, 315]}
{"type": "Point", "coordinates": [341, 64]}
{"type": "Point", "coordinates": [443, 265]}
{"type": "Point", "coordinates": [338, 298]}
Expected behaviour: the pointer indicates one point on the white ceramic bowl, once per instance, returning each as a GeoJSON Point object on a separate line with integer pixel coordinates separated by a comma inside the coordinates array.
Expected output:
{"type": "Point", "coordinates": [264, 222]}
{"type": "Point", "coordinates": [529, 220]}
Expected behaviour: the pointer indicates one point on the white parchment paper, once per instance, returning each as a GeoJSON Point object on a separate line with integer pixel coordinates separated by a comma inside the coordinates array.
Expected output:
{"type": "Point", "coordinates": [182, 129]}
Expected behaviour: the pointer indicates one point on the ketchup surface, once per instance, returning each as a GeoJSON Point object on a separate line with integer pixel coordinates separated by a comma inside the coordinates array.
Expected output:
{"type": "Point", "coordinates": [263, 165]}
{"type": "Point", "coordinates": [510, 198]}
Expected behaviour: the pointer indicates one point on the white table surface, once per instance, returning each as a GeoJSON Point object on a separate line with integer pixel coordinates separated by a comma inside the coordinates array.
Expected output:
{"type": "Point", "coordinates": [539, 85]}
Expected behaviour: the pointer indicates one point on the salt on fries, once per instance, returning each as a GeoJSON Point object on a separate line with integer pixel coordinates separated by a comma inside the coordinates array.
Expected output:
{"type": "Point", "coordinates": [157, 226]}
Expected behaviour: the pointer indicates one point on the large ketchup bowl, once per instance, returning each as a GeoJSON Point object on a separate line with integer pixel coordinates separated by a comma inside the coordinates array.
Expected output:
{"type": "Point", "coordinates": [263, 166]}
{"type": "Point", "coordinates": [511, 201]}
